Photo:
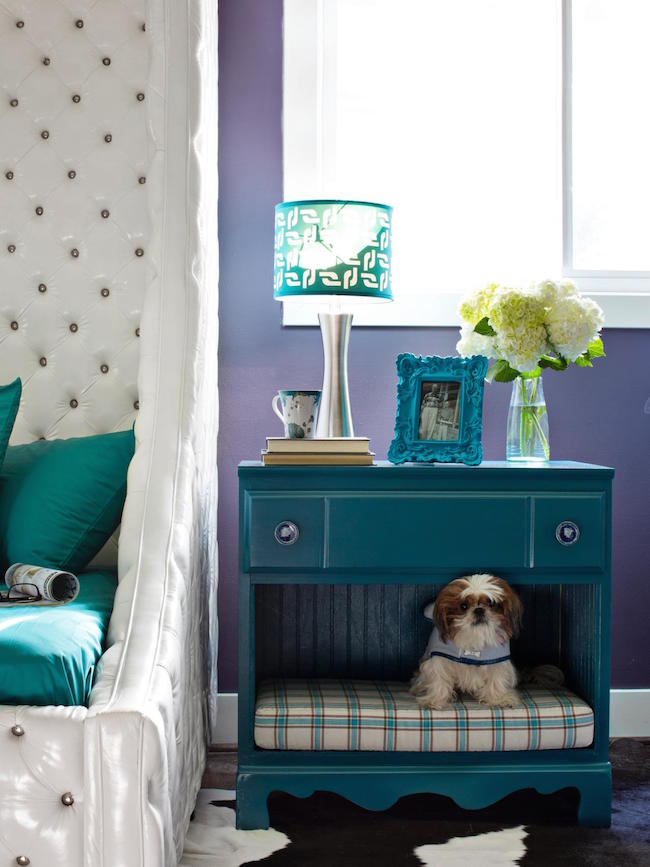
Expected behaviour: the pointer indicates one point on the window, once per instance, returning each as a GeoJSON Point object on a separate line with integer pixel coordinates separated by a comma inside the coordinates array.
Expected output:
{"type": "Point", "coordinates": [510, 137]}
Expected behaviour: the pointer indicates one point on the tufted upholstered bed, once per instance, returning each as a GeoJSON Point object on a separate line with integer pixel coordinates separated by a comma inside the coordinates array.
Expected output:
{"type": "Point", "coordinates": [108, 313]}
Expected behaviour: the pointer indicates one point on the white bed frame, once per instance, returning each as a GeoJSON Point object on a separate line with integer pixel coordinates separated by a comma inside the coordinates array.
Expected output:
{"type": "Point", "coordinates": [114, 784]}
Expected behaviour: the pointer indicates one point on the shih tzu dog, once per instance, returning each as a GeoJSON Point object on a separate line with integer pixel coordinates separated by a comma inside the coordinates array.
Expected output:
{"type": "Point", "coordinates": [469, 650]}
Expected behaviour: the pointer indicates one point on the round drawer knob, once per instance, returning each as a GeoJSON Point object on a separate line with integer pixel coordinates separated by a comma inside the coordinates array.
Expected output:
{"type": "Point", "coordinates": [567, 533]}
{"type": "Point", "coordinates": [286, 533]}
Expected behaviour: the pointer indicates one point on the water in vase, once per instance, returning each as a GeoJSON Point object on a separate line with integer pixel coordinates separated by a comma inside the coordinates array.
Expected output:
{"type": "Point", "coordinates": [527, 430]}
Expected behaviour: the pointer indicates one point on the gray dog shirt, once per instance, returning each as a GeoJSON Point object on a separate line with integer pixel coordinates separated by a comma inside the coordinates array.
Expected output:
{"type": "Point", "coordinates": [488, 656]}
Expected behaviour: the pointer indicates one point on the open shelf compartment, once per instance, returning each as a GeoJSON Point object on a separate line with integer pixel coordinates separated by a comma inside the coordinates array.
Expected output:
{"type": "Point", "coordinates": [333, 664]}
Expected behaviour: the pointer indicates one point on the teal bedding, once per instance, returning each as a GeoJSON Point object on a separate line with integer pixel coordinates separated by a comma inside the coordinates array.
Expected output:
{"type": "Point", "coordinates": [48, 654]}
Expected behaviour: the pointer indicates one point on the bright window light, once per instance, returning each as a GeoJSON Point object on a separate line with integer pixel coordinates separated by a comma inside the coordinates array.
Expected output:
{"type": "Point", "coordinates": [611, 135]}
{"type": "Point", "coordinates": [461, 115]}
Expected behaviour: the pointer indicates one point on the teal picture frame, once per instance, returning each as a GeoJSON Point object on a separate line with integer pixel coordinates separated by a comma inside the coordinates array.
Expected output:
{"type": "Point", "coordinates": [439, 416]}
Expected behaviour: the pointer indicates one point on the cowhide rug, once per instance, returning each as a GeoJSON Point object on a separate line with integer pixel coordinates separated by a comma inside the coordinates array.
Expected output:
{"type": "Point", "coordinates": [524, 829]}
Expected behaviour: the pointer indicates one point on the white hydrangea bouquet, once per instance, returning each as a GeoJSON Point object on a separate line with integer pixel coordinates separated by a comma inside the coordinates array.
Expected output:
{"type": "Point", "coordinates": [546, 326]}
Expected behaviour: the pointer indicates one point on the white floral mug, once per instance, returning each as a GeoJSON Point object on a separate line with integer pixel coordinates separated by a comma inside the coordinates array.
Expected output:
{"type": "Point", "coordinates": [298, 413]}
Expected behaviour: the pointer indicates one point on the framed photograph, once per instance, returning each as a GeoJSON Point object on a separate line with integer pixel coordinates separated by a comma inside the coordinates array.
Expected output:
{"type": "Point", "coordinates": [439, 409]}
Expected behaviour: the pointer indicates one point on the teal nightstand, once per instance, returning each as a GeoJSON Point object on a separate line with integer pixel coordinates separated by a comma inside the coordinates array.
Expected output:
{"type": "Point", "coordinates": [336, 564]}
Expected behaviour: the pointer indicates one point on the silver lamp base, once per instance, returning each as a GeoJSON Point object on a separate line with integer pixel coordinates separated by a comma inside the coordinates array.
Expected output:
{"type": "Point", "coordinates": [335, 416]}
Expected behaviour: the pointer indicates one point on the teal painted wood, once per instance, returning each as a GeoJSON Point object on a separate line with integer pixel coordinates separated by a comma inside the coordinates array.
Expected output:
{"type": "Point", "coordinates": [378, 790]}
{"type": "Point", "coordinates": [373, 544]}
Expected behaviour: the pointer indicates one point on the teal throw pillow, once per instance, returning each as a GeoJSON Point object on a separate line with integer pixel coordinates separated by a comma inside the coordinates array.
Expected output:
{"type": "Point", "coordinates": [9, 401]}
{"type": "Point", "coordinates": [60, 500]}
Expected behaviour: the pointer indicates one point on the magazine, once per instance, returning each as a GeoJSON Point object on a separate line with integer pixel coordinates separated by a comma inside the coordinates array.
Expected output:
{"type": "Point", "coordinates": [37, 585]}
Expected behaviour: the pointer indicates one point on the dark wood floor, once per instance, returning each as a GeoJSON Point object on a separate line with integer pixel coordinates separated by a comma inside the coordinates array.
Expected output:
{"type": "Point", "coordinates": [221, 768]}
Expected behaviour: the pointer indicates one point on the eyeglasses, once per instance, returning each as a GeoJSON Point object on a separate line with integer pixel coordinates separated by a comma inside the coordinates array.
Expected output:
{"type": "Point", "coordinates": [21, 594]}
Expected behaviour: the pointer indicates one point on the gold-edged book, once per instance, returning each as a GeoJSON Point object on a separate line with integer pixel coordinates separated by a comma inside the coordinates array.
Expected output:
{"type": "Point", "coordinates": [319, 445]}
{"type": "Point", "coordinates": [317, 460]}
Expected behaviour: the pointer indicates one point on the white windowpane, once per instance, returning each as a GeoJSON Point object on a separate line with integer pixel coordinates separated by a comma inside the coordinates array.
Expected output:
{"type": "Point", "coordinates": [450, 112]}
{"type": "Point", "coordinates": [611, 135]}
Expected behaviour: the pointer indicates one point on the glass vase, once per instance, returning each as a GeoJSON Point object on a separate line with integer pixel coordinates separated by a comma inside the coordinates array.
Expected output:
{"type": "Point", "coordinates": [527, 431]}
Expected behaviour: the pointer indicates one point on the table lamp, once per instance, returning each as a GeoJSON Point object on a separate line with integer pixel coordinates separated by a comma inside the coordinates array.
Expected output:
{"type": "Point", "coordinates": [335, 254]}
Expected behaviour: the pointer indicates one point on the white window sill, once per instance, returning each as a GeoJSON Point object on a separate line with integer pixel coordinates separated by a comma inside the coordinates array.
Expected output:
{"type": "Point", "coordinates": [622, 310]}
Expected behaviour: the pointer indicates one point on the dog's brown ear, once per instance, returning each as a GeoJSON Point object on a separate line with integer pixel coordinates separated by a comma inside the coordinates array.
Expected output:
{"type": "Point", "coordinates": [513, 609]}
{"type": "Point", "coordinates": [442, 610]}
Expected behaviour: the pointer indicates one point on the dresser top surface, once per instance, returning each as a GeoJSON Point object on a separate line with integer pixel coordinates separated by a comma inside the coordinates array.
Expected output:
{"type": "Point", "coordinates": [485, 468]}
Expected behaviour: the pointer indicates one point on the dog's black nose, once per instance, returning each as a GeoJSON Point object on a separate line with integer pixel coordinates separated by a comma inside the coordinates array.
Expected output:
{"type": "Point", "coordinates": [479, 613]}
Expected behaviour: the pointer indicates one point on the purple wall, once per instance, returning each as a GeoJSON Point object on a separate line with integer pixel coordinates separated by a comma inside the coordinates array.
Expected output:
{"type": "Point", "coordinates": [595, 415]}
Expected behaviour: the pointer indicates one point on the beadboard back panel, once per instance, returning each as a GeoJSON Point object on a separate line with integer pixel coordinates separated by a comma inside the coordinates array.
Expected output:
{"type": "Point", "coordinates": [75, 150]}
{"type": "Point", "coordinates": [378, 631]}
{"type": "Point", "coordinates": [579, 660]}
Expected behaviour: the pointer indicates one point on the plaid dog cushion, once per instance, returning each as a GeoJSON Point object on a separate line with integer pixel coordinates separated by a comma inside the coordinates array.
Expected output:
{"type": "Point", "coordinates": [382, 715]}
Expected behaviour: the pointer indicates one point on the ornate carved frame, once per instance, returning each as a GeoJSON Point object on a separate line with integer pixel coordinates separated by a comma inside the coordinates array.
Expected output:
{"type": "Point", "coordinates": [412, 371]}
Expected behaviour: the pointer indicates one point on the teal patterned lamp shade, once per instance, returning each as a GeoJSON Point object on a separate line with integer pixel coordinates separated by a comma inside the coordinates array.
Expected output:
{"type": "Point", "coordinates": [326, 247]}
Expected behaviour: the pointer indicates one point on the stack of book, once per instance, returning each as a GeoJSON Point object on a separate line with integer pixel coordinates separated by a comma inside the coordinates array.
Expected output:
{"type": "Point", "coordinates": [334, 451]}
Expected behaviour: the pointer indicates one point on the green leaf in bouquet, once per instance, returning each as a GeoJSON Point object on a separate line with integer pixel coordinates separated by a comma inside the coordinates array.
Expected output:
{"type": "Point", "coordinates": [483, 327]}
{"type": "Point", "coordinates": [595, 349]}
{"type": "Point", "coordinates": [501, 372]}
{"type": "Point", "coordinates": [548, 361]}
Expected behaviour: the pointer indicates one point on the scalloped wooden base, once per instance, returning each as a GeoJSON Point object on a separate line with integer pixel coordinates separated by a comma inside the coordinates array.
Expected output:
{"type": "Point", "coordinates": [470, 788]}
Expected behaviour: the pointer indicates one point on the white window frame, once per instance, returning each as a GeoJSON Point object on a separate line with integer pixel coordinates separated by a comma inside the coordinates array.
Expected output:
{"type": "Point", "coordinates": [623, 295]}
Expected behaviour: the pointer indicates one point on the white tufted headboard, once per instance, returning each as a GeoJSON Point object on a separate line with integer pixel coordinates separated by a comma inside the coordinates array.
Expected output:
{"type": "Point", "coordinates": [75, 152]}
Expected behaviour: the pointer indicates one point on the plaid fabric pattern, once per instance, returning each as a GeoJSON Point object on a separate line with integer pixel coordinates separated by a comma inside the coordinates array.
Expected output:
{"type": "Point", "coordinates": [382, 715]}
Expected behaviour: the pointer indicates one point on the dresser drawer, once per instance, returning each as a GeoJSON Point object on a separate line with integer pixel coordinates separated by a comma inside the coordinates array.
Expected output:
{"type": "Point", "coordinates": [468, 531]}
{"type": "Point", "coordinates": [403, 531]}
{"type": "Point", "coordinates": [283, 532]}
{"type": "Point", "coordinates": [569, 531]}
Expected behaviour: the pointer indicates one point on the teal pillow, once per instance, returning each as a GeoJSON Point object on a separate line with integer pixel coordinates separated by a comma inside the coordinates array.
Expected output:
{"type": "Point", "coordinates": [60, 500]}
{"type": "Point", "coordinates": [9, 401]}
